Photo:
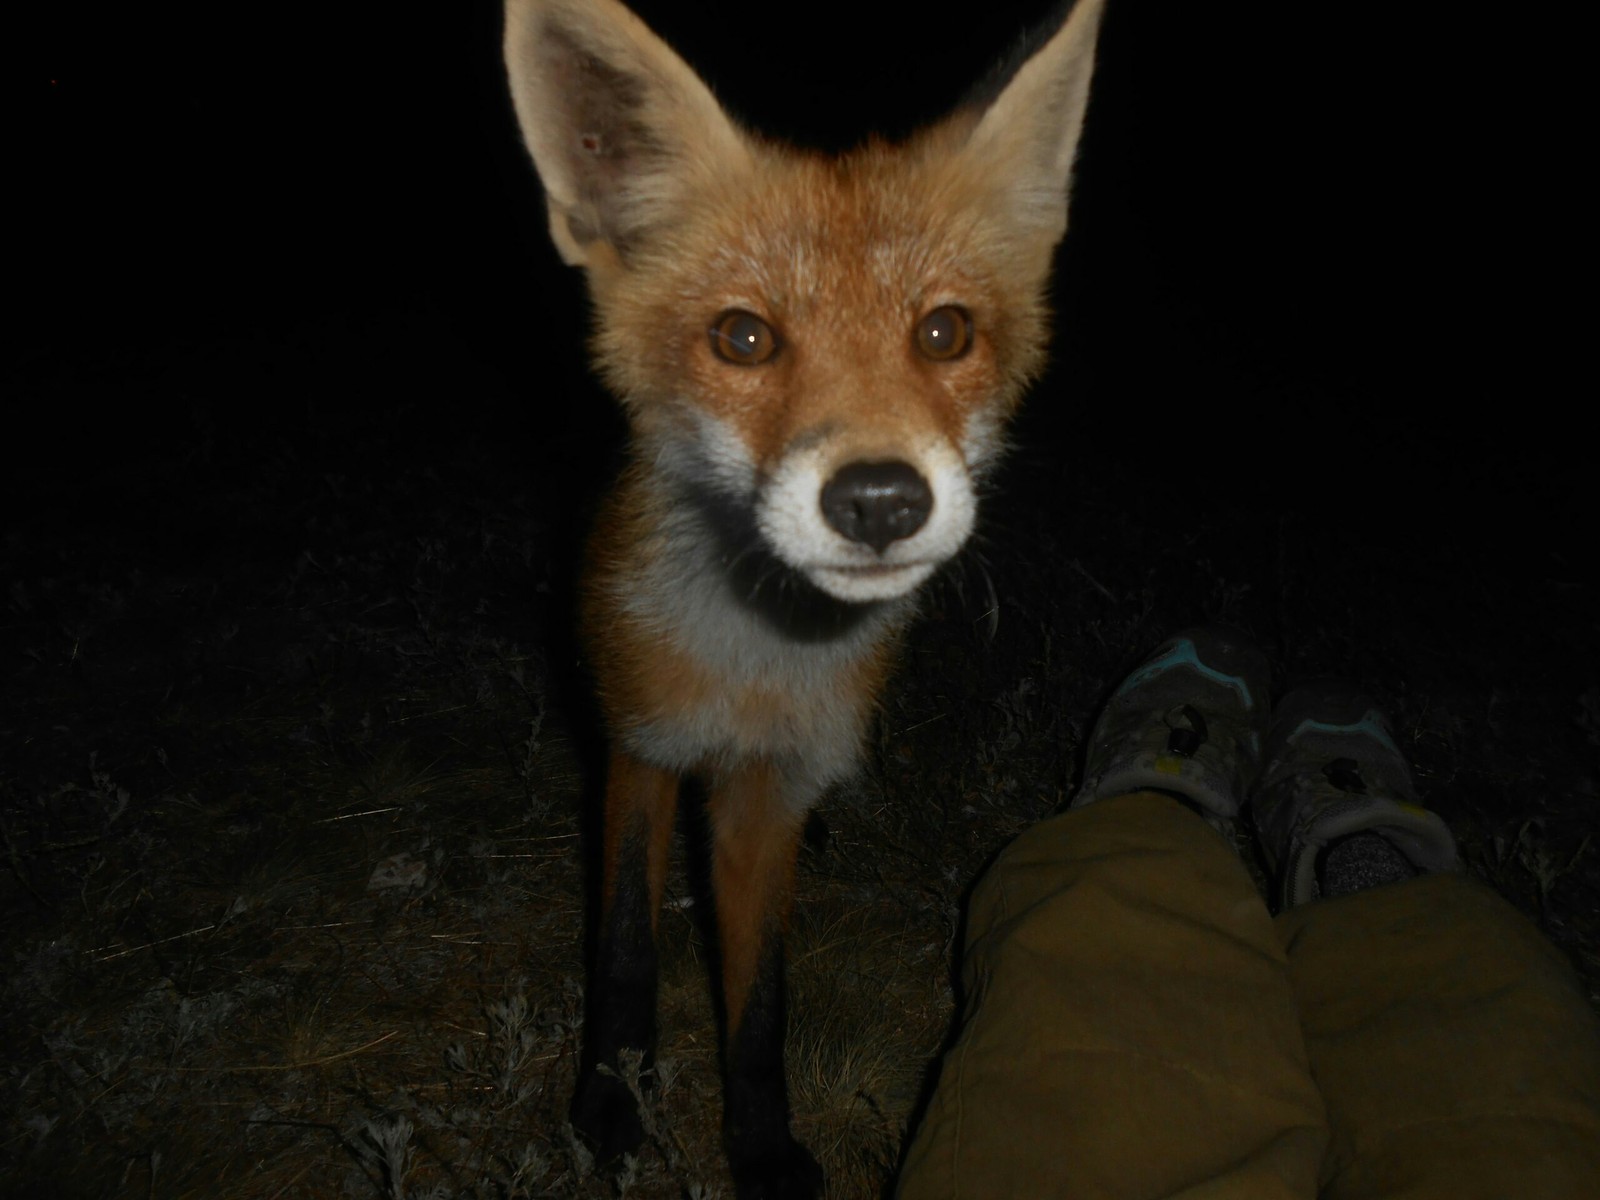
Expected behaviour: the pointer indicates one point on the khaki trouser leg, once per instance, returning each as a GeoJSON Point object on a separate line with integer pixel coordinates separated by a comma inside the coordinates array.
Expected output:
{"type": "Point", "coordinates": [1130, 1032]}
{"type": "Point", "coordinates": [1456, 1052]}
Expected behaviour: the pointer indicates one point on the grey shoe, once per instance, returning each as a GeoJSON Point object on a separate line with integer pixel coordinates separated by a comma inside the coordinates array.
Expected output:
{"type": "Point", "coordinates": [1190, 721]}
{"type": "Point", "coordinates": [1332, 771]}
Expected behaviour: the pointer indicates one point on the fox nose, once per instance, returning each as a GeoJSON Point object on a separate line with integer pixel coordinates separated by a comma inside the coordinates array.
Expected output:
{"type": "Point", "coordinates": [877, 502]}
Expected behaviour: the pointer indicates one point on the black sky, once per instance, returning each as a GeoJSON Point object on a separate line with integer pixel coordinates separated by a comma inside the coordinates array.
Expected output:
{"type": "Point", "coordinates": [1288, 243]}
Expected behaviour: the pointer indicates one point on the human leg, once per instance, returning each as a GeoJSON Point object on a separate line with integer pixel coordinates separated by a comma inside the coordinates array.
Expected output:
{"type": "Point", "coordinates": [1129, 1030]}
{"type": "Point", "coordinates": [1455, 1050]}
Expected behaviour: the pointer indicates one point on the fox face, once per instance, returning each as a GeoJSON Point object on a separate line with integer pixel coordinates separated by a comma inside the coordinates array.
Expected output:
{"type": "Point", "coordinates": [818, 357]}
{"type": "Point", "coordinates": [831, 347]}
{"type": "Point", "coordinates": [832, 356]}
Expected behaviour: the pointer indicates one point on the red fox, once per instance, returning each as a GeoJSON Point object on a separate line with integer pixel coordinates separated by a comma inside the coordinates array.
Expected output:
{"type": "Point", "coordinates": [817, 357]}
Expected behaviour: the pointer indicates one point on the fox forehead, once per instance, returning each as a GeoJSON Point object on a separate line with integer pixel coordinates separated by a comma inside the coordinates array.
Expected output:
{"type": "Point", "coordinates": [838, 253]}
{"type": "Point", "coordinates": [882, 222]}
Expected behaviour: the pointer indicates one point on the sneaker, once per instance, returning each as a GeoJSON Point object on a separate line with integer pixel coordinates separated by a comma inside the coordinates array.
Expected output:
{"type": "Point", "coordinates": [1189, 722]}
{"type": "Point", "coordinates": [1331, 771]}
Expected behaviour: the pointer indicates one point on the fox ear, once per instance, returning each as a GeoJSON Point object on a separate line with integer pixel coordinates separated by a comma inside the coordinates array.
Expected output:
{"type": "Point", "coordinates": [620, 128]}
{"type": "Point", "coordinates": [1030, 116]}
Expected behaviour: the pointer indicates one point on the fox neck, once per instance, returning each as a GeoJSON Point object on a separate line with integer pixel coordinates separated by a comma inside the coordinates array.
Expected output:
{"type": "Point", "coordinates": [696, 666]}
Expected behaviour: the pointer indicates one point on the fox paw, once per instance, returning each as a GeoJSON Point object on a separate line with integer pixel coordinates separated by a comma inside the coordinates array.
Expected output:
{"type": "Point", "coordinates": [606, 1116]}
{"type": "Point", "coordinates": [778, 1171]}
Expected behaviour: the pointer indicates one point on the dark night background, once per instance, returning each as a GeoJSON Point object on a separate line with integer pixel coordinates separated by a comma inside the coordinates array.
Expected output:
{"type": "Point", "coordinates": [1302, 248]}
{"type": "Point", "coordinates": [300, 435]}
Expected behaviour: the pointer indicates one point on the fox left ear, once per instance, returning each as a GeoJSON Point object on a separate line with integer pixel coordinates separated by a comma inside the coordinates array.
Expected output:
{"type": "Point", "coordinates": [621, 129]}
{"type": "Point", "coordinates": [1026, 134]}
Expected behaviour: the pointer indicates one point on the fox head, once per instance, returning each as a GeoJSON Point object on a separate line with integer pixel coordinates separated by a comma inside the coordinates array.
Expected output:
{"type": "Point", "coordinates": [829, 347]}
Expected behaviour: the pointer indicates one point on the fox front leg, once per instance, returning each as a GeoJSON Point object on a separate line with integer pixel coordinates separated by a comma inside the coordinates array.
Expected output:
{"type": "Point", "coordinates": [755, 841]}
{"type": "Point", "coordinates": [640, 802]}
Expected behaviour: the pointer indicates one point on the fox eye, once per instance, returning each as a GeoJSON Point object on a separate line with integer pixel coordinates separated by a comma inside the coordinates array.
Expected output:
{"type": "Point", "coordinates": [945, 333]}
{"type": "Point", "coordinates": [743, 339]}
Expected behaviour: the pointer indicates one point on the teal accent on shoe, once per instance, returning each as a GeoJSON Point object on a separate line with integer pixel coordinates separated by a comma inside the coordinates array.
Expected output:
{"type": "Point", "coordinates": [1183, 654]}
{"type": "Point", "coordinates": [1303, 806]}
{"type": "Point", "coordinates": [1187, 722]}
{"type": "Point", "coordinates": [1370, 725]}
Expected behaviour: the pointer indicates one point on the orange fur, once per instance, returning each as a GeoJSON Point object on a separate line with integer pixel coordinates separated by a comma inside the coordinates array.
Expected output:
{"type": "Point", "coordinates": [641, 801]}
{"type": "Point", "coordinates": [752, 874]}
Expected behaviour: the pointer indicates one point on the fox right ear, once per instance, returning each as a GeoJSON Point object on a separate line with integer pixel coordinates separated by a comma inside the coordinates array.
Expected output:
{"type": "Point", "coordinates": [1027, 130]}
{"type": "Point", "coordinates": [622, 131]}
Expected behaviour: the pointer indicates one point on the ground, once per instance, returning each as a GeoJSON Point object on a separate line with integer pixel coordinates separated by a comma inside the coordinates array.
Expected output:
{"type": "Point", "coordinates": [296, 760]}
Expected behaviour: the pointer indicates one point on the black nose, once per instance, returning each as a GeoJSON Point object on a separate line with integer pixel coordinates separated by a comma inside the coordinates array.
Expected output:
{"type": "Point", "coordinates": [877, 502]}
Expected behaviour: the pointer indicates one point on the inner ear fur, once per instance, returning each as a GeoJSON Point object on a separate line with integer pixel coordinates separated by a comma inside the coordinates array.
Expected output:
{"type": "Point", "coordinates": [1026, 121]}
{"type": "Point", "coordinates": [620, 128]}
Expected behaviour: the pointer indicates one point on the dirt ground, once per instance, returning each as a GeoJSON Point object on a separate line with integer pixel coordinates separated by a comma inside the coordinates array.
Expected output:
{"type": "Point", "coordinates": [296, 760]}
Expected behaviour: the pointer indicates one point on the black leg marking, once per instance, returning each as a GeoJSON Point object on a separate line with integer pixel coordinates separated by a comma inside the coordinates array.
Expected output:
{"type": "Point", "coordinates": [621, 1011]}
{"type": "Point", "coordinates": [768, 1163]}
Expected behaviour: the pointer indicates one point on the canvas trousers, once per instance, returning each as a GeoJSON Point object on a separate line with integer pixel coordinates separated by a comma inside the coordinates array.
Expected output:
{"type": "Point", "coordinates": [1138, 1026]}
